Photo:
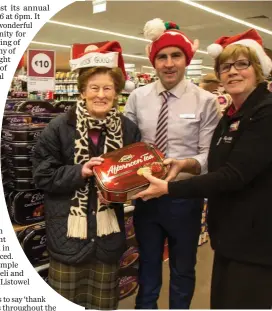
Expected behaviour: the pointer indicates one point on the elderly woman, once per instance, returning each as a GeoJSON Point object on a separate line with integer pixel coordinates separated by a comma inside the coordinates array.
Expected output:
{"type": "Point", "coordinates": [85, 237]}
{"type": "Point", "coordinates": [239, 182]}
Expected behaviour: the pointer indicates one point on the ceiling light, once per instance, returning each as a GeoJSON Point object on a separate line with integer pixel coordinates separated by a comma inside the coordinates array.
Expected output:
{"type": "Point", "coordinates": [68, 46]}
{"type": "Point", "coordinates": [106, 32]}
{"type": "Point", "coordinates": [208, 67]}
{"type": "Point", "coordinates": [135, 56]}
{"type": "Point", "coordinates": [98, 30]}
{"type": "Point", "coordinates": [52, 44]}
{"type": "Point", "coordinates": [229, 17]}
{"type": "Point", "coordinates": [202, 52]}
{"type": "Point", "coordinates": [125, 55]}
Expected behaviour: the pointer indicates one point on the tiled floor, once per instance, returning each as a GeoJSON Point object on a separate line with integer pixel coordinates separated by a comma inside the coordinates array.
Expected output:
{"type": "Point", "coordinates": [203, 278]}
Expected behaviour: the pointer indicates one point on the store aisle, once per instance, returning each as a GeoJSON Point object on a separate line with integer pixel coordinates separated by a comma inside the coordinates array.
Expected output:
{"type": "Point", "coordinates": [202, 292]}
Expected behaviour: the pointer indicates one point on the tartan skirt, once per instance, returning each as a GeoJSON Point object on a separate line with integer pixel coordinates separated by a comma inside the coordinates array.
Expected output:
{"type": "Point", "coordinates": [93, 285]}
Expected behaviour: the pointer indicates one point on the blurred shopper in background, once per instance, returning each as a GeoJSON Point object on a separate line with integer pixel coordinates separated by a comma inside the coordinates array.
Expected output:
{"type": "Point", "coordinates": [210, 83]}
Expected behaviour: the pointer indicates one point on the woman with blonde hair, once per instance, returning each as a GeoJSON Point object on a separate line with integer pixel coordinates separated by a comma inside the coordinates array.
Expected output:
{"type": "Point", "coordinates": [239, 182]}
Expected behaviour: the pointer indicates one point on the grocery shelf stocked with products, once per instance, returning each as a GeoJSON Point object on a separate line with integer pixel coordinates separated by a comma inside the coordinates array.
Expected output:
{"type": "Point", "coordinates": [66, 86]}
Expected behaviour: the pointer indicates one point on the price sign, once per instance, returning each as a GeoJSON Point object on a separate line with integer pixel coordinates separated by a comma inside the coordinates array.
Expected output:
{"type": "Point", "coordinates": [41, 66]}
{"type": "Point", "coordinates": [41, 63]}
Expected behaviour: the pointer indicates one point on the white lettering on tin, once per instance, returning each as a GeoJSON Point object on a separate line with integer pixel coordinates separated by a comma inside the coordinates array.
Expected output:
{"type": "Point", "coordinates": [147, 156]}
{"type": "Point", "coordinates": [115, 169]}
{"type": "Point", "coordinates": [36, 197]}
{"type": "Point", "coordinates": [37, 109]}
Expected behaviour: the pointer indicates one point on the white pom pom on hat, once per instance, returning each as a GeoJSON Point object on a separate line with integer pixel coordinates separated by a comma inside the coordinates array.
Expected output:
{"type": "Point", "coordinates": [214, 50]}
{"type": "Point", "coordinates": [129, 86]}
{"type": "Point", "coordinates": [154, 28]}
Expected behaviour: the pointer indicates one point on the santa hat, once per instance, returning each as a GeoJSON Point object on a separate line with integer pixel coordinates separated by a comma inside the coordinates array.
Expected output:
{"type": "Point", "coordinates": [167, 34]}
{"type": "Point", "coordinates": [108, 55]}
{"type": "Point", "coordinates": [249, 38]}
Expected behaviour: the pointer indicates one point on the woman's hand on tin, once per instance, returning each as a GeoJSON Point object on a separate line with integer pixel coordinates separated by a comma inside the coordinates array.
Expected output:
{"type": "Point", "coordinates": [157, 188]}
{"type": "Point", "coordinates": [87, 168]}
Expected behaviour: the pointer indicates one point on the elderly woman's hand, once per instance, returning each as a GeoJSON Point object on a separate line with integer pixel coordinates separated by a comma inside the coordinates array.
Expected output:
{"type": "Point", "coordinates": [87, 169]}
{"type": "Point", "coordinates": [156, 188]}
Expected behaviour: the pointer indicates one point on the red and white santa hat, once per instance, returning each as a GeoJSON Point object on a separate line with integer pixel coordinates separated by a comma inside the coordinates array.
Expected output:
{"type": "Point", "coordinates": [249, 38]}
{"type": "Point", "coordinates": [109, 55]}
{"type": "Point", "coordinates": [167, 34]}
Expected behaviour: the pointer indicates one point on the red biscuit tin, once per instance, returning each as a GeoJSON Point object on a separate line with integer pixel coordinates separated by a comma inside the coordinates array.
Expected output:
{"type": "Point", "coordinates": [120, 175]}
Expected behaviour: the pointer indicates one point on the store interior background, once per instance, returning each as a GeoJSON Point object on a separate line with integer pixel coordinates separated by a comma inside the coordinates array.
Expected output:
{"type": "Point", "coordinates": [123, 21]}
{"type": "Point", "coordinates": [128, 18]}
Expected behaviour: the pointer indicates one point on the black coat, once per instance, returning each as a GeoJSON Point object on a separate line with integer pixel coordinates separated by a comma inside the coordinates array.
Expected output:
{"type": "Point", "coordinates": [239, 182]}
{"type": "Point", "coordinates": [56, 174]}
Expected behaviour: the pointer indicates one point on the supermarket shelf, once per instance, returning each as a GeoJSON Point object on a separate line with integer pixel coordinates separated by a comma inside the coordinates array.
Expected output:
{"type": "Point", "coordinates": [17, 227]}
{"type": "Point", "coordinates": [66, 82]}
{"type": "Point", "coordinates": [69, 93]}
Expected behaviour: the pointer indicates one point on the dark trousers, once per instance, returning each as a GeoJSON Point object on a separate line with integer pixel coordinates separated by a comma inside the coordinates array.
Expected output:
{"type": "Point", "coordinates": [179, 221]}
{"type": "Point", "coordinates": [239, 285]}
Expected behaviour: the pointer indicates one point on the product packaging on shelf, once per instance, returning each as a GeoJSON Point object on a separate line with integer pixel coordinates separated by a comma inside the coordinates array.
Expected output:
{"type": "Point", "coordinates": [27, 207]}
{"type": "Point", "coordinates": [127, 285]}
{"type": "Point", "coordinates": [33, 243]}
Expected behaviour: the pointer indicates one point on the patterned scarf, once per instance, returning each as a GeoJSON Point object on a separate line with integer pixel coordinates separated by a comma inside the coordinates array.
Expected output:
{"type": "Point", "coordinates": [106, 218]}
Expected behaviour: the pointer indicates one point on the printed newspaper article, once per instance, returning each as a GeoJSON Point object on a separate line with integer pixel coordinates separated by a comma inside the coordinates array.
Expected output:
{"type": "Point", "coordinates": [21, 286]}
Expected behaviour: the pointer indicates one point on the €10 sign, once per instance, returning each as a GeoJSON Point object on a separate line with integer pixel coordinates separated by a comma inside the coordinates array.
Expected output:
{"type": "Point", "coordinates": [41, 67]}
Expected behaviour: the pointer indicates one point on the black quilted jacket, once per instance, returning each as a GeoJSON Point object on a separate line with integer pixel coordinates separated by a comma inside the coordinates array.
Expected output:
{"type": "Point", "coordinates": [239, 183]}
{"type": "Point", "coordinates": [55, 173]}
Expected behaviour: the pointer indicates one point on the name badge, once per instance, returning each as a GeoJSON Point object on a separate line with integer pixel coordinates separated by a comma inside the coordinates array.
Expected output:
{"type": "Point", "coordinates": [234, 126]}
{"type": "Point", "coordinates": [227, 139]}
{"type": "Point", "coordinates": [187, 116]}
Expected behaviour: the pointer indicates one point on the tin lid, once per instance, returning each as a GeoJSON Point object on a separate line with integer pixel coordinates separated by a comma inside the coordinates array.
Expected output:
{"type": "Point", "coordinates": [35, 106]}
{"type": "Point", "coordinates": [14, 157]}
{"type": "Point", "coordinates": [34, 244]}
{"type": "Point", "coordinates": [21, 144]}
{"type": "Point", "coordinates": [16, 114]}
{"type": "Point", "coordinates": [121, 170]}
{"type": "Point", "coordinates": [28, 206]}
{"type": "Point", "coordinates": [24, 127]}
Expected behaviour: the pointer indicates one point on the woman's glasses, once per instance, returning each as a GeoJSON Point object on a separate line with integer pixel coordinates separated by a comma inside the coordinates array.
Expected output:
{"type": "Point", "coordinates": [238, 65]}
